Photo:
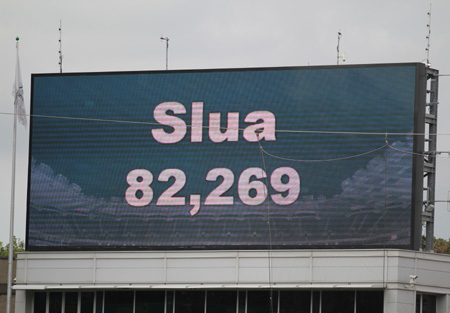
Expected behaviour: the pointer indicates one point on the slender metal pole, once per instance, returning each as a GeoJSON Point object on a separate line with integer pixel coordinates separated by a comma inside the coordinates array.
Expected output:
{"type": "Point", "coordinates": [167, 51]}
{"type": "Point", "coordinates": [60, 47]}
{"type": "Point", "coordinates": [428, 37]}
{"type": "Point", "coordinates": [339, 39]}
{"type": "Point", "coordinates": [11, 216]}
{"type": "Point", "coordinates": [432, 146]}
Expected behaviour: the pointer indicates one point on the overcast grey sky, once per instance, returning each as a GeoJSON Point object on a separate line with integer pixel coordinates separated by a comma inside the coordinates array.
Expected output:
{"type": "Point", "coordinates": [124, 36]}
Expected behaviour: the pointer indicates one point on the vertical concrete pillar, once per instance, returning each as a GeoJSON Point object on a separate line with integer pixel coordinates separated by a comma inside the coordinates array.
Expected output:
{"type": "Point", "coordinates": [20, 301]}
{"type": "Point", "coordinates": [443, 304]}
{"type": "Point", "coordinates": [399, 301]}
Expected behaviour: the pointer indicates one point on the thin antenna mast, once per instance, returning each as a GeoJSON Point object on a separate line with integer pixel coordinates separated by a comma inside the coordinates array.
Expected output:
{"type": "Point", "coordinates": [60, 47]}
{"type": "Point", "coordinates": [339, 39]}
{"type": "Point", "coordinates": [428, 37]}
{"type": "Point", "coordinates": [338, 55]}
{"type": "Point", "coordinates": [167, 51]}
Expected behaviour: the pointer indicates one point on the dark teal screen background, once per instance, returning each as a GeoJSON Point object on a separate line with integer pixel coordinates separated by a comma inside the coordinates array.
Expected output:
{"type": "Point", "coordinates": [80, 160]}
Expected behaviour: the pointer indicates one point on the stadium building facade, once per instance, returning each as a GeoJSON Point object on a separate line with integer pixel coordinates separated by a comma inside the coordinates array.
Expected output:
{"type": "Point", "coordinates": [379, 280]}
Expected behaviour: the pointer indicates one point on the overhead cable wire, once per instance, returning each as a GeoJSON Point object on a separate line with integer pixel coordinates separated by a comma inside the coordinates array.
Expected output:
{"type": "Point", "coordinates": [269, 227]}
{"type": "Point", "coordinates": [428, 153]}
{"type": "Point", "coordinates": [436, 153]}
{"type": "Point", "coordinates": [408, 152]}
{"type": "Point", "coordinates": [353, 156]}
{"type": "Point", "coordinates": [325, 160]}
{"type": "Point", "coordinates": [231, 128]}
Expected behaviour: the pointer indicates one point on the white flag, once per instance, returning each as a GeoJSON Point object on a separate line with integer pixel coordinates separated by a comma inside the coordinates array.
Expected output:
{"type": "Point", "coordinates": [18, 93]}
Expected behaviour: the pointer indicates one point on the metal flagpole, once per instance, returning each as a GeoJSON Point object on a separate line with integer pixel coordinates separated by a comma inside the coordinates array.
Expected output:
{"type": "Point", "coordinates": [11, 216]}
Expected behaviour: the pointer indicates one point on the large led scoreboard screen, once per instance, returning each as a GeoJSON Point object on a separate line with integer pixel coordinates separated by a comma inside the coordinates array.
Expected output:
{"type": "Point", "coordinates": [292, 157]}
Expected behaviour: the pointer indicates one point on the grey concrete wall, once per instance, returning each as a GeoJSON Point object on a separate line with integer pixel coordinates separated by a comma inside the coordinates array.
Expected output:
{"type": "Point", "coordinates": [389, 270]}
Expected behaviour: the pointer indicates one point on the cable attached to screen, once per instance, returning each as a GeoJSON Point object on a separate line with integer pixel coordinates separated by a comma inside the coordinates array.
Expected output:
{"type": "Point", "coordinates": [261, 152]}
